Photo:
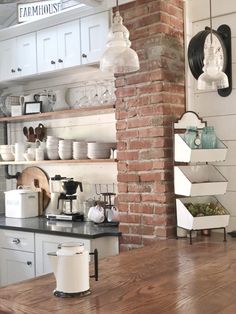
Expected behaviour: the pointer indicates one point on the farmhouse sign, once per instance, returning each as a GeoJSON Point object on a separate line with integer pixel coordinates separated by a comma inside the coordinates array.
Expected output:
{"type": "Point", "coordinates": [36, 10]}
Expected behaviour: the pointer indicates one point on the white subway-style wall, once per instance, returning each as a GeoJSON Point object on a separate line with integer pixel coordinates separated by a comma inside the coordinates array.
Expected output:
{"type": "Point", "coordinates": [217, 111]}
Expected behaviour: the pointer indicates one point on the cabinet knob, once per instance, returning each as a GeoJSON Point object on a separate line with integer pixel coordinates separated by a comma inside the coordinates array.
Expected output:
{"type": "Point", "coordinates": [84, 55]}
{"type": "Point", "coordinates": [19, 69]}
{"type": "Point", "coordinates": [29, 263]}
{"type": "Point", "coordinates": [60, 60]}
{"type": "Point", "coordinates": [16, 241]}
{"type": "Point", "coordinates": [53, 62]}
{"type": "Point", "coordinates": [13, 71]}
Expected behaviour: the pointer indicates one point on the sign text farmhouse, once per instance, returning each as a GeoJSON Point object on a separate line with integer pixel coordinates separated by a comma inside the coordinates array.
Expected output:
{"type": "Point", "coordinates": [35, 10]}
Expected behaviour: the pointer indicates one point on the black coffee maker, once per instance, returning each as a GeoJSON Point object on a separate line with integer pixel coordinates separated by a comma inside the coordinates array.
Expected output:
{"type": "Point", "coordinates": [69, 187]}
{"type": "Point", "coordinates": [66, 188]}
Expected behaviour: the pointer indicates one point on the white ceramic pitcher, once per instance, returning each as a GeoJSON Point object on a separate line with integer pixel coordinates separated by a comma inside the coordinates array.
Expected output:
{"type": "Point", "coordinates": [18, 151]}
{"type": "Point", "coordinates": [60, 102]}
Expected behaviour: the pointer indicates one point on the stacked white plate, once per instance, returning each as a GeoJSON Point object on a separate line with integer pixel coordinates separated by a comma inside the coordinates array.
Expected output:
{"type": "Point", "coordinates": [52, 147]}
{"type": "Point", "coordinates": [80, 150]}
{"type": "Point", "coordinates": [65, 149]}
{"type": "Point", "coordinates": [6, 152]}
{"type": "Point", "coordinates": [99, 150]}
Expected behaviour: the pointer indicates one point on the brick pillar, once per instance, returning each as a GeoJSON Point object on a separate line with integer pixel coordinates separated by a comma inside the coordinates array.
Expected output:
{"type": "Point", "coordinates": [148, 102]}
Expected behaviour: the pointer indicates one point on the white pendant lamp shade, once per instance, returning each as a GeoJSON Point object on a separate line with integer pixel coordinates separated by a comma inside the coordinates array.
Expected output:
{"type": "Point", "coordinates": [212, 77]}
{"type": "Point", "coordinates": [118, 56]}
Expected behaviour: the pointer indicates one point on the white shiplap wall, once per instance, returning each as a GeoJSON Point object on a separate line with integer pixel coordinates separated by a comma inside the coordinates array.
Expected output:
{"type": "Point", "coordinates": [218, 111]}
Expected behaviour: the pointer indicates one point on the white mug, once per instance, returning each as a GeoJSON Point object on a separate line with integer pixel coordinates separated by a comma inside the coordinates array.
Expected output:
{"type": "Point", "coordinates": [18, 151]}
{"type": "Point", "coordinates": [39, 154]}
{"type": "Point", "coordinates": [32, 151]}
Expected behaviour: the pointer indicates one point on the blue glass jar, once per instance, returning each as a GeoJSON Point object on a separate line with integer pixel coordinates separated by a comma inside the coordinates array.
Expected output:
{"type": "Point", "coordinates": [208, 137]}
{"type": "Point", "coordinates": [190, 136]}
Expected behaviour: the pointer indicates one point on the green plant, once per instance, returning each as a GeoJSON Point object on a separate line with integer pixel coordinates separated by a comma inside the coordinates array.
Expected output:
{"type": "Point", "coordinates": [205, 209]}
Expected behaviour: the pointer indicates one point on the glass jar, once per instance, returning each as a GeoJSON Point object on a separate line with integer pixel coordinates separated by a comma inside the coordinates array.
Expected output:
{"type": "Point", "coordinates": [208, 137]}
{"type": "Point", "coordinates": [190, 136]}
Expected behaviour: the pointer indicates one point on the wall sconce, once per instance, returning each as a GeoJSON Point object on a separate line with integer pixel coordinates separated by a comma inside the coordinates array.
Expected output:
{"type": "Point", "coordinates": [118, 57]}
{"type": "Point", "coordinates": [209, 56]}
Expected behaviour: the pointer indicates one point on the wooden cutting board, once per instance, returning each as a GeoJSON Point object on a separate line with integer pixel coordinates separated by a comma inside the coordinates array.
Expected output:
{"type": "Point", "coordinates": [36, 177]}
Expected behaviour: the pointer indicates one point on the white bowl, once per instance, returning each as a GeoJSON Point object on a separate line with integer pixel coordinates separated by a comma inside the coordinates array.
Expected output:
{"type": "Point", "coordinates": [50, 137]}
{"type": "Point", "coordinates": [52, 150]}
{"type": "Point", "coordinates": [65, 156]}
{"type": "Point", "coordinates": [7, 156]}
{"type": "Point", "coordinates": [52, 156]}
{"type": "Point", "coordinates": [65, 150]}
{"type": "Point", "coordinates": [51, 143]}
{"type": "Point", "coordinates": [65, 142]}
{"type": "Point", "coordinates": [65, 146]}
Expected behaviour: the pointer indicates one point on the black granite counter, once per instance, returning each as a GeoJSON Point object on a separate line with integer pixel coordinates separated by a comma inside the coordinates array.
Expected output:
{"type": "Point", "coordinates": [86, 230]}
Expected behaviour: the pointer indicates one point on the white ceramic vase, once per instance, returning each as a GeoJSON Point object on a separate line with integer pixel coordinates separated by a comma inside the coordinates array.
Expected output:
{"type": "Point", "coordinates": [60, 102]}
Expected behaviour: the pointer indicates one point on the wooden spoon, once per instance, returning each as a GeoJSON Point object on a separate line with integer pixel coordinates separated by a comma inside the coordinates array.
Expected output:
{"type": "Point", "coordinates": [25, 132]}
{"type": "Point", "coordinates": [31, 135]}
{"type": "Point", "coordinates": [41, 131]}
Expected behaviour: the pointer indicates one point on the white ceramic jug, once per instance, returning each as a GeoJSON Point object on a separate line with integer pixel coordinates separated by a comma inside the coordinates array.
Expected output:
{"type": "Point", "coordinates": [18, 151]}
{"type": "Point", "coordinates": [46, 102]}
{"type": "Point", "coordinates": [60, 102]}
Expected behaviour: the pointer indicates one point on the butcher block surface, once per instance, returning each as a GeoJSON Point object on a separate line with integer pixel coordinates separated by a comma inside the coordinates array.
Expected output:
{"type": "Point", "coordinates": [170, 276]}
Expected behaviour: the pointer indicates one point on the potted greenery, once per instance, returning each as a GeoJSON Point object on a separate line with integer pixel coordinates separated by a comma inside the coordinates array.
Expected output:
{"type": "Point", "coordinates": [200, 213]}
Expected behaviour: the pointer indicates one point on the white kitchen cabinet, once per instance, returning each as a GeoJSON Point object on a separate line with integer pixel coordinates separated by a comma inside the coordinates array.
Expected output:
{"type": "Point", "coordinates": [69, 44]}
{"type": "Point", "coordinates": [94, 31]}
{"type": "Point", "coordinates": [7, 59]}
{"type": "Point", "coordinates": [17, 261]}
{"type": "Point", "coordinates": [16, 266]}
{"type": "Point", "coordinates": [18, 57]}
{"type": "Point", "coordinates": [26, 55]}
{"type": "Point", "coordinates": [58, 47]}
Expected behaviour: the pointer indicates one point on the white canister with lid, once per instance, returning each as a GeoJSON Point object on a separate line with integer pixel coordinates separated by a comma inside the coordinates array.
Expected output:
{"type": "Point", "coordinates": [21, 203]}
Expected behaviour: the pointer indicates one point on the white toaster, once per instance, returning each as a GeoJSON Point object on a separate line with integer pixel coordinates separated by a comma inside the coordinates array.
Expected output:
{"type": "Point", "coordinates": [21, 203]}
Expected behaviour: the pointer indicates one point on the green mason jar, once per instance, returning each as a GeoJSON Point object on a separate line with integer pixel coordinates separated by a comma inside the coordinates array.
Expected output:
{"type": "Point", "coordinates": [190, 136]}
{"type": "Point", "coordinates": [208, 137]}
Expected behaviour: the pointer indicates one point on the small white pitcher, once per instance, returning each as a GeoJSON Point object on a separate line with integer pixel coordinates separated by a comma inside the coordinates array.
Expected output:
{"type": "Point", "coordinates": [18, 151]}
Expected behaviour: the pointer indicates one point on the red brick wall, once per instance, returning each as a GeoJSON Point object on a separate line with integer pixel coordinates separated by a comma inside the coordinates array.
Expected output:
{"type": "Point", "coordinates": [148, 102]}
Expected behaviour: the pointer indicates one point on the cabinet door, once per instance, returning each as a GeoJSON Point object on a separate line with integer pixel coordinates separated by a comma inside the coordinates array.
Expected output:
{"type": "Point", "coordinates": [47, 49]}
{"type": "Point", "coordinates": [16, 266]}
{"type": "Point", "coordinates": [68, 36]}
{"type": "Point", "coordinates": [94, 31]}
{"type": "Point", "coordinates": [26, 54]}
{"type": "Point", "coordinates": [8, 59]}
{"type": "Point", "coordinates": [49, 243]}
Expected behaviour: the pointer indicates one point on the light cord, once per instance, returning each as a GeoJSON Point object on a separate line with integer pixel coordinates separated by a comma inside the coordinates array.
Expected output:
{"type": "Point", "coordinates": [210, 20]}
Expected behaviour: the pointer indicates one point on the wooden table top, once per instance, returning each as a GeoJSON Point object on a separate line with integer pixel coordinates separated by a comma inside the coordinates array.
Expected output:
{"type": "Point", "coordinates": [170, 276]}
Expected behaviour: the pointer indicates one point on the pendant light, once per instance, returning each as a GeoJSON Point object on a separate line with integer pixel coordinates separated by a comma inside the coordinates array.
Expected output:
{"type": "Point", "coordinates": [118, 57]}
{"type": "Point", "coordinates": [212, 77]}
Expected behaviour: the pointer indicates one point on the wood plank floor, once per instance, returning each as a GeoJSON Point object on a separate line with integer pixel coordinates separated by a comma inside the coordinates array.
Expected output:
{"type": "Point", "coordinates": [168, 277]}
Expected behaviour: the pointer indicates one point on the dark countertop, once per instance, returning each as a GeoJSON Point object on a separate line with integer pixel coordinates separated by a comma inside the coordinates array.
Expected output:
{"type": "Point", "coordinates": [85, 230]}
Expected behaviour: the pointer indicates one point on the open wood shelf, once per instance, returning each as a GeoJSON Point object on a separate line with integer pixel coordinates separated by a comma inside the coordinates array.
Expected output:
{"type": "Point", "coordinates": [59, 161]}
{"type": "Point", "coordinates": [108, 108]}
